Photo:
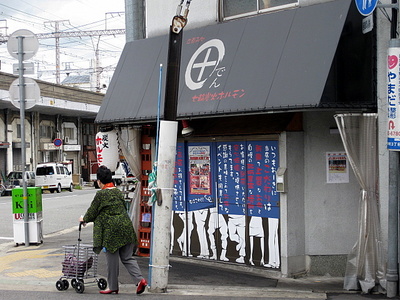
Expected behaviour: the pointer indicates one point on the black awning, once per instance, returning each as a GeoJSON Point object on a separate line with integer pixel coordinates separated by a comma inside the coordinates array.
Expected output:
{"type": "Point", "coordinates": [269, 62]}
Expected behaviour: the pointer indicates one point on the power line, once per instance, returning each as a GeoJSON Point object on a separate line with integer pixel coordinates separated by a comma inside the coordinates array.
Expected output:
{"type": "Point", "coordinates": [57, 34]}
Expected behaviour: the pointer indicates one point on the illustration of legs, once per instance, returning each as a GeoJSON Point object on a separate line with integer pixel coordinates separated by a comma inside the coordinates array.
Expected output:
{"type": "Point", "coordinates": [172, 239]}
{"type": "Point", "coordinates": [223, 229]}
{"type": "Point", "coordinates": [182, 238]}
{"type": "Point", "coordinates": [256, 230]}
{"type": "Point", "coordinates": [273, 244]}
{"type": "Point", "coordinates": [237, 231]}
{"type": "Point", "coordinates": [212, 226]}
{"type": "Point", "coordinates": [200, 218]}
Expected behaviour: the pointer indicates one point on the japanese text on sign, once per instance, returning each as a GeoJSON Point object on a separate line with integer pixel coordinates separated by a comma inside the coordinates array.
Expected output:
{"type": "Point", "coordinates": [393, 85]}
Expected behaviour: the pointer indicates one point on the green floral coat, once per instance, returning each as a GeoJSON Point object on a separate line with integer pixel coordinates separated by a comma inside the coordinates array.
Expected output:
{"type": "Point", "coordinates": [112, 226]}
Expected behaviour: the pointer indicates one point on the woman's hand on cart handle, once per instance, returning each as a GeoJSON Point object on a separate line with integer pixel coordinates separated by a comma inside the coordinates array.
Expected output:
{"type": "Point", "coordinates": [81, 221]}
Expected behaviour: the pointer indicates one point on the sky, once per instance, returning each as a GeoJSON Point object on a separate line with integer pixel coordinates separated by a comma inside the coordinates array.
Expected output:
{"type": "Point", "coordinates": [76, 53]}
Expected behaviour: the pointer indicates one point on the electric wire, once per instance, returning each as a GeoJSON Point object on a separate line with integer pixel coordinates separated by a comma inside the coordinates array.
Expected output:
{"type": "Point", "coordinates": [106, 48]}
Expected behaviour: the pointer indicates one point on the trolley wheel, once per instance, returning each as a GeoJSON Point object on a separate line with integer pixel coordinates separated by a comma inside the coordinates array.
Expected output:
{"type": "Point", "coordinates": [66, 284]}
{"type": "Point", "coordinates": [102, 283]}
{"type": "Point", "coordinates": [60, 285]}
{"type": "Point", "coordinates": [73, 282]}
{"type": "Point", "coordinates": [80, 287]}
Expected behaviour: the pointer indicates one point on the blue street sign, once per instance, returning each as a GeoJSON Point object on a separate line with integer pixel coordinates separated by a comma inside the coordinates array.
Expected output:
{"type": "Point", "coordinates": [366, 7]}
{"type": "Point", "coordinates": [57, 142]}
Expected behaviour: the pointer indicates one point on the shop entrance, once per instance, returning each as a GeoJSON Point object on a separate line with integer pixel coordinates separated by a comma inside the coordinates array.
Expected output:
{"type": "Point", "coordinates": [226, 206]}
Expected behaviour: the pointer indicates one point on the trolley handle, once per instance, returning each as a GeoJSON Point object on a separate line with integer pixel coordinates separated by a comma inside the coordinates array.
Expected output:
{"type": "Point", "coordinates": [80, 229]}
{"type": "Point", "coordinates": [81, 223]}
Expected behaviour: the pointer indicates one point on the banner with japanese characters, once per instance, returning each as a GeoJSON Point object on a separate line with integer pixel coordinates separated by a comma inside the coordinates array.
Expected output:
{"type": "Point", "coordinates": [178, 202]}
{"type": "Point", "coordinates": [107, 149]}
{"type": "Point", "coordinates": [393, 85]}
{"type": "Point", "coordinates": [247, 178]}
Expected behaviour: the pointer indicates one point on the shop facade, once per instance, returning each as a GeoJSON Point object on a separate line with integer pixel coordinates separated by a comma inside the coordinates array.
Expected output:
{"type": "Point", "coordinates": [264, 179]}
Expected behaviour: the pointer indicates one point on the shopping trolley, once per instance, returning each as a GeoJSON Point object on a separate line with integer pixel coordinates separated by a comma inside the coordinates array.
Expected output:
{"type": "Point", "coordinates": [79, 264]}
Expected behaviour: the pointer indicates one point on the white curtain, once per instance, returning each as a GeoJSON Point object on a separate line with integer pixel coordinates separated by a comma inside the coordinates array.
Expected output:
{"type": "Point", "coordinates": [129, 142]}
{"type": "Point", "coordinates": [365, 268]}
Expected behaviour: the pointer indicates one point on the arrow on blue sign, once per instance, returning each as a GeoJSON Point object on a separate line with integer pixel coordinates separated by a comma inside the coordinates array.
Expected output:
{"type": "Point", "coordinates": [366, 7]}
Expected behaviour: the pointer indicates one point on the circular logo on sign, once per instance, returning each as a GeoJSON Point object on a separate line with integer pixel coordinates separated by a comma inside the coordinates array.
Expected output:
{"type": "Point", "coordinates": [203, 63]}
{"type": "Point", "coordinates": [392, 61]}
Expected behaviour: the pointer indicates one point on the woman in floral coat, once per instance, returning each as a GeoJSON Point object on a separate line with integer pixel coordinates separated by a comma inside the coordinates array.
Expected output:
{"type": "Point", "coordinates": [113, 232]}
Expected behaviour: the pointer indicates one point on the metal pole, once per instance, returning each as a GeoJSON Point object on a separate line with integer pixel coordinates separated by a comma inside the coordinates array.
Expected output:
{"type": "Point", "coordinates": [134, 20]}
{"type": "Point", "coordinates": [23, 145]}
{"type": "Point", "coordinates": [158, 110]}
{"type": "Point", "coordinates": [392, 269]}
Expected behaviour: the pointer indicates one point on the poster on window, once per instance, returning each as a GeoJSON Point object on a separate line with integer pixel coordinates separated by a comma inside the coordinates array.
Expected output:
{"type": "Point", "coordinates": [199, 172]}
{"type": "Point", "coordinates": [262, 165]}
{"type": "Point", "coordinates": [337, 168]}
{"type": "Point", "coordinates": [178, 200]}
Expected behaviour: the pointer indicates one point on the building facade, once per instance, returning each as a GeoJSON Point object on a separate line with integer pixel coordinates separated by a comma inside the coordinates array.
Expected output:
{"type": "Point", "coordinates": [264, 180]}
{"type": "Point", "coordinates": [61, 114]}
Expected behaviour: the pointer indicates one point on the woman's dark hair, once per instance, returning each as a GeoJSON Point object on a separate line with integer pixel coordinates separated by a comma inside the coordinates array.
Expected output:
{"type": "Point", "coordinates": [104, 174]}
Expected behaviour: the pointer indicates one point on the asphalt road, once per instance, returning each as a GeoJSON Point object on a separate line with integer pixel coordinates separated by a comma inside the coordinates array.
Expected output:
{"type": "Point", "coordinates": [60, 211]}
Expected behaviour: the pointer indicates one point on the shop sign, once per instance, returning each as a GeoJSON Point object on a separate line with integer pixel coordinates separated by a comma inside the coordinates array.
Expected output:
{"type": "Point", "coordinates": [72, 147]}
{"type": "Point", "coordinates": [393, 85]}
{"type": "Point", "coordinates": [49, 146]}
{"type": "Point", "coordinates": [4, 145]}
{"type": "Point", "coordinates": [107, 149]}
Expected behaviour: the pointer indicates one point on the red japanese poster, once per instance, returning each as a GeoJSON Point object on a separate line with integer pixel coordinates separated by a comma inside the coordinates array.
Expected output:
{"type": "Point", "coordinates": [199, 172]}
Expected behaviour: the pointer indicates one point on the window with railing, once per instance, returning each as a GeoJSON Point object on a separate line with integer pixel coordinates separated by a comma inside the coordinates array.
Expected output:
{"type": "Point", "coordinates": [47, 130]}
{"type": "Point", "coordinates": [70, 133]}
{"type": "Point", "coordinates": [88, 134]}
{"type": "Point", "coordinates": [231, 9]}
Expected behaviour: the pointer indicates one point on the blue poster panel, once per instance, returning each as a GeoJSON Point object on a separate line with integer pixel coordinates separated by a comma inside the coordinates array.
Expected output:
{"type": "Point", "coordinates": [246, 178]}
{"type": "Point", "coordinates": [262, 165]}
{"type": "Point", "coordinates": [231, 178]}
{"type": "Point", "coordinates": [178, 201]}
{"type": "Point", "coordinates": [200, 190]}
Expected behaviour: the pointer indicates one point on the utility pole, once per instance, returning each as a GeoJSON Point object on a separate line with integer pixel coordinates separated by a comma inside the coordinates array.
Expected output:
{"type": "Point", "coordinates": [161, 221]}
{"type": "Point", "coordinates": [57, 38]}
{"type": "Point", "coordinates": [57, 34]}
{"type": "Point", "coordinates": [97, 68]}
{"type": "Point", "coordinates": [393, 217]}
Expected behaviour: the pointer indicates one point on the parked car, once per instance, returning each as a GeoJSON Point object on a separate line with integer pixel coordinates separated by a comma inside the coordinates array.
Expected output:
{"type": "Point", "coordinates": [53, 177]}
{"type": "Point", "coordinates": [14, 180]}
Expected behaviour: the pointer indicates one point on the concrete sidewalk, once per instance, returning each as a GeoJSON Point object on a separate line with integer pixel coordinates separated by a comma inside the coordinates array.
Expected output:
{"type": "Point", "coordinates": [38, 267]}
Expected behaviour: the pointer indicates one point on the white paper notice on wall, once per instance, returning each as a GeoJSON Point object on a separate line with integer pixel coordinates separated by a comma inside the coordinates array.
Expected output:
{"type": "Point", "coordinates": [337, 167]}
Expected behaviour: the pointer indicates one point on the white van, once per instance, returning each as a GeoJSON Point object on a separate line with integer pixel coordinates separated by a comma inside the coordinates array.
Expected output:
{"type": "Point", "coordinates": [53, 177]}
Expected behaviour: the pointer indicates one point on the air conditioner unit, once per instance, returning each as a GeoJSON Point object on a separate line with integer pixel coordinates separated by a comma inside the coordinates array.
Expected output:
{"type": "Point", "coordinates": [66, 139]}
